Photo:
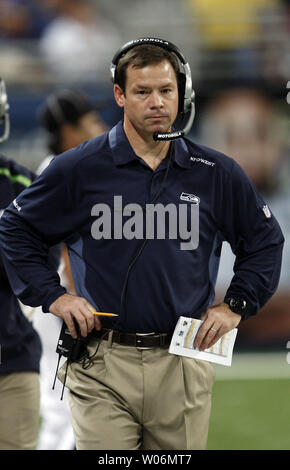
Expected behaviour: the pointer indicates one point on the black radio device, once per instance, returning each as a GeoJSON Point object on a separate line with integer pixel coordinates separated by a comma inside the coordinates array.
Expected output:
{"type": "Point", "coordinates": [71, 348]}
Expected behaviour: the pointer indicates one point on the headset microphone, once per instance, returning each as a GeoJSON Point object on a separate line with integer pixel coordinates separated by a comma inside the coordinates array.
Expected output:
{"type": "Point", "coordinates": [157, 136]}
{"type": "Point", "coordinates": [186, 93]}
{"type": "Point", "coordinates": [4, 111]}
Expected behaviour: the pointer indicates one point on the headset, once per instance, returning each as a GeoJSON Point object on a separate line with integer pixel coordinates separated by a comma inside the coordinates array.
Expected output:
{"type": "Point", "coordinates": [186, 93]}
{"type": "Point", "coordinates": [4, 111]}
{"type": "Point", "coordinates": [53, 105]}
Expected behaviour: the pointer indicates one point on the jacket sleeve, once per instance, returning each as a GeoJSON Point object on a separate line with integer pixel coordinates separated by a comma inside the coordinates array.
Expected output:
{"type": "Point", "coordinates": [32, 223]}
{"type": "Point", "coordinates": [256, 239]}
{"type": "Point", "coordinates": [17, 176]}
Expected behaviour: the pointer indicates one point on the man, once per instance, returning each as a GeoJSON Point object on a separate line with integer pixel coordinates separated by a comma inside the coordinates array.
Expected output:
{"type": "Point", "coordinates": [128, 392]}
{"type": "Point", "coordinates": [19, 342]}
{"type": "Point", "coordinates": [69, 118]}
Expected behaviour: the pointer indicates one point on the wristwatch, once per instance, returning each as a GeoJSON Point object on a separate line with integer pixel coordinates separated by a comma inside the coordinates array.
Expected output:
{"type": "Point", "coordinates": [236, 304]}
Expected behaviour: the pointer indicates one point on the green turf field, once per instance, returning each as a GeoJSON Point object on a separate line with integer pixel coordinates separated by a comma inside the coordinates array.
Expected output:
{"type": "Point", "coordinates": [251, 404]}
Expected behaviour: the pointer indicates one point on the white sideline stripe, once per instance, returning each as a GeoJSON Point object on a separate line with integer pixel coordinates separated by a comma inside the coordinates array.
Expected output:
{"type": "Point", "coordinates": [272, 365]}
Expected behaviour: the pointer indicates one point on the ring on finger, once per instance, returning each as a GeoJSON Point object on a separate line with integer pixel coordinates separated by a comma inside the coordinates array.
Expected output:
{"type": "Point", "coordinates": [213, 329]}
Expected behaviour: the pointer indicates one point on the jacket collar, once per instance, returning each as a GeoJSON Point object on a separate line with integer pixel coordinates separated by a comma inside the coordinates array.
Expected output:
{"type": "Point", "coordinates": [123, 153]}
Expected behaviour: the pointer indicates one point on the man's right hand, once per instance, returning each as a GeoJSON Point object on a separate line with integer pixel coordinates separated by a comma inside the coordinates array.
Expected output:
{"type": "Point", "coordinates": [70, 307]}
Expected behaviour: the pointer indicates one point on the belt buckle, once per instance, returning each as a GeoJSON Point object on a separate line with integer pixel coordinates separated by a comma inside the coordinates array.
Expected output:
{"type": "Point", "coordinates": [139, 340]}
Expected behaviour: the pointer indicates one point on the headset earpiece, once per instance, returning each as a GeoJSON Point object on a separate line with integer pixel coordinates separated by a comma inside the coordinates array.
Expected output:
{"type": "Point", "coordinates": [4, 111]}
{"type": "Point", "coordinates": [55, 110]}
{"type": "Point", "coordinates": [181, 91]}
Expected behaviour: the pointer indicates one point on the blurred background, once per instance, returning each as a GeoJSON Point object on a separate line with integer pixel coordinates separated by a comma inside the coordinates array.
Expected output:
{"type": "Point", "coordinates": [239, 56]}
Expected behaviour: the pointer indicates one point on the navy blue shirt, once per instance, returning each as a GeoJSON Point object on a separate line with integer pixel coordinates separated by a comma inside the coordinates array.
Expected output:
{"type": "Point", "coordinates": [74, 200]}
{"type": "Point", "coordinates": [20, 343]}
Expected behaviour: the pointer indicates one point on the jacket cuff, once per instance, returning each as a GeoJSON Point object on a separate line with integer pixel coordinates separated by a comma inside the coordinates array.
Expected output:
{"type": "Point", "coordinates": [251, 308]}
{"type": "Point", "coordinates": [52, 297]}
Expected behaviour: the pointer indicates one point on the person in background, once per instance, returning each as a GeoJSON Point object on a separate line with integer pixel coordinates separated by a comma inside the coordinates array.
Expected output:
{"type": "Point", "coordinates": [76, 45]}
{"type": "Point", "coordinates": [232, 37]}
{"type": "Point", "coordinates": [68, 118]}
{"type": "Point", "coordinates": [20, 346]}
{"type": "Point", "coordinates": [23, 19]}
{"type": "Point", "coordinates": [248, 124]}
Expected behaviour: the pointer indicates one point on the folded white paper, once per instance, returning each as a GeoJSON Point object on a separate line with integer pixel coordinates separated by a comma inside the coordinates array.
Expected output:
{"type": "Point", "coordinates": [183, 338]}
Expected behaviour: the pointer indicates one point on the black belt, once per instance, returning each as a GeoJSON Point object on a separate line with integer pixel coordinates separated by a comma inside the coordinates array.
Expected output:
{"type": "Point", "coordinates": [139, 340]}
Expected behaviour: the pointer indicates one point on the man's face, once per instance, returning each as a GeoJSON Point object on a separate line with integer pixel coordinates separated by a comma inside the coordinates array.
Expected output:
{"type": "Point", "coordinates": [87, 127]}
{"type": "Point", "coordinates": [150, 100]}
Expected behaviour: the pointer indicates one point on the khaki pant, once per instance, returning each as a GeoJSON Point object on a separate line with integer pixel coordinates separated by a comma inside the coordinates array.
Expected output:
{"type": "Point", "coordinates": [139, 399]}
{"type": "Point", "coordinates": [19, 410]}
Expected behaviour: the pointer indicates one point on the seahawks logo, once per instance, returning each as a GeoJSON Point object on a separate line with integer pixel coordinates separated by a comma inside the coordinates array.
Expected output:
{"type": "Point", "coordinates": [190, 198]}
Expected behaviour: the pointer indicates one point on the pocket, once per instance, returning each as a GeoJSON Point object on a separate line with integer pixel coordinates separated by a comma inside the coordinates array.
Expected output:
{"type": "Point", "coordinates": [195, 376]}
{"type": "Point", "coordinates": [207, 372]}
{"type": "Point", "coordinates": [210, 374]}
{"type": "Point", "coordinates": [89, 367]}
{"type": "Point", "coordinates": [93, 363]}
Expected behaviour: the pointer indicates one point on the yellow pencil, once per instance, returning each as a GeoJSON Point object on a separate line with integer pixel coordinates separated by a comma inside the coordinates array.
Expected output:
{"type": "Point", "coordinates": [103, 314]}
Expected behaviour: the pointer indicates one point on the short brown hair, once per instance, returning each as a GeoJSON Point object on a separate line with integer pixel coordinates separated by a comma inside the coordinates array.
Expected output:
{"type": "Point", "coordinates": [141, 56]}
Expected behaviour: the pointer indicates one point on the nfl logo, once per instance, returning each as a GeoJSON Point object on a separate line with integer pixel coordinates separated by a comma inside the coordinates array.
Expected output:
{"type": "Point", "coordinates": [267, 211]}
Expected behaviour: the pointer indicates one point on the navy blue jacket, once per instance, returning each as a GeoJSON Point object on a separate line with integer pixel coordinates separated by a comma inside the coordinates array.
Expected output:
{"type": "Point", "coordinates": [165, 281]}
{"type": "Point", "coordinates": [20, 343]}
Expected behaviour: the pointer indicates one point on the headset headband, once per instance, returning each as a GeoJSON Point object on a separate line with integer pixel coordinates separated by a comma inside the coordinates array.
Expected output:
{"type": "Point", "coordinates": [154, 41]}
{"type": "Point", "coordinates": [66, 106]}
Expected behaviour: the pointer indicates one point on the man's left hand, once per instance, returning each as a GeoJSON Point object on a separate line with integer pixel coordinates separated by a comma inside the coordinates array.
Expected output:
{"type": "Point", "coordinates": [217, 320]}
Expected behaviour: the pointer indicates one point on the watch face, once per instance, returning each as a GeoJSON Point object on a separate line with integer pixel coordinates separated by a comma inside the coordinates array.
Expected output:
{"type": "Point", "coordinates": [236, 304]}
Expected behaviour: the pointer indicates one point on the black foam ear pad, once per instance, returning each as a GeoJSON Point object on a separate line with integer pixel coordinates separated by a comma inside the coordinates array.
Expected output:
{"type": "Point", "coordinates": [4, 107]}
{"type": "Point", "coordinates": [4, 112]}
{"type": "Point", "coordinates": [181, 92]}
